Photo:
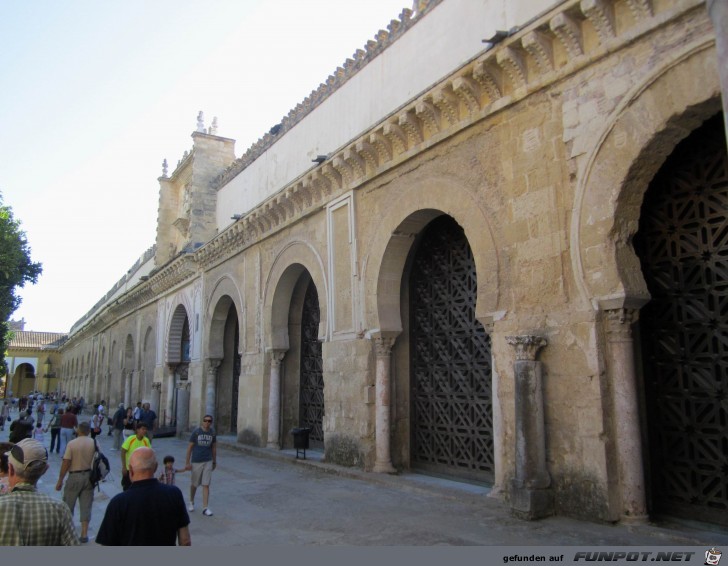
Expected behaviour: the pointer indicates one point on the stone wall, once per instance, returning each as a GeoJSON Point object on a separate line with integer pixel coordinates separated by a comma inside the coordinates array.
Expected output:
{"type": "Point", "coordinates": [540, 149]}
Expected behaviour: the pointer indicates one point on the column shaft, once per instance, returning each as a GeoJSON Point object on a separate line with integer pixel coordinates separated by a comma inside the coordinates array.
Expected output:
{"type": "Point", "coordinates": [627, 433]}
{"type": "Point", "coordinates": [383, 458]}
{"type": "Point", "coordinates": [274, 400]}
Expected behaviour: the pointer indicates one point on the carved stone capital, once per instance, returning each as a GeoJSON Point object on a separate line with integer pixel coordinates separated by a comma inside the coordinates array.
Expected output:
{"type": "Point", "coordinates": [527, 346]}
{"type": "Point", "coordinates": [276, 357]}
{"type": "Point", "coordinates": [383, 346]}
{"type": "Point", "coordinates": [213, 364]}
{"type": "Point", "coordinates": [157, 385]}
{"type": "Point", "coordinates": [618, 323]}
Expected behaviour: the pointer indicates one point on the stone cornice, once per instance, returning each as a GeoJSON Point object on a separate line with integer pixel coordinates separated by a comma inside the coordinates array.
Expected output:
{"type": "Point", "coordinates": [171, 275]}
{"type": "Point", "coordinates": [501, 76]}
{"type": "Point", "coordinates": [374, 47]}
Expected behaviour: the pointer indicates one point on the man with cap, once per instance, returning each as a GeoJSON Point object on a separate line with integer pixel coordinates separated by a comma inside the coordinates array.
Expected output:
{"type": "Point", "coordinates": [135, 441]}
{"type": "Point", "coordinates": [77, 461]}
{"type": "Point", "coordinates": [29, 518]}
{"type": "Point", "coordinates": [117, 423]}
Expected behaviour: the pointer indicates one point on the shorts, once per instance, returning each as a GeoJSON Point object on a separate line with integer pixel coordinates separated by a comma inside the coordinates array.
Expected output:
{"type": "Point", "coordinates": [201, 473]}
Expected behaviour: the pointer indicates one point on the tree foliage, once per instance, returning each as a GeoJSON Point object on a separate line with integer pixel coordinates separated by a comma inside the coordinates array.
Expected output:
{"type": "Point", "coordinates": [16, 268]}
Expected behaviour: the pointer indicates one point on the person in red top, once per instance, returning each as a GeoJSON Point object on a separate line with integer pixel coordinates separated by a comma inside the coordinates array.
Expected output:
{"type": "Point", "coordinates": [69, 421]}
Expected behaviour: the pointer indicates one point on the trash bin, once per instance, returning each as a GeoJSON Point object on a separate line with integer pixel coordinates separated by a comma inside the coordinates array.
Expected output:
{"type": "Point", "coordinates": [300, 439]}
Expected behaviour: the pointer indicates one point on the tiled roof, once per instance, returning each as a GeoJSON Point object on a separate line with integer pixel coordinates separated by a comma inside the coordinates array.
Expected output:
{"type": "Point", "coordinates": [37, 340]}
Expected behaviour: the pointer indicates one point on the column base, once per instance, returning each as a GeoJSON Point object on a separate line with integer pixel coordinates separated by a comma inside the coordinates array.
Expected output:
{"type": "Point", "coordinates": [531, 504]}
{"type": "Point", "coordinates": [634, 519]}
{"type": "Point", "coordinates": [273, 445]}
{"type": "Point", "coordinates": [384, 468]}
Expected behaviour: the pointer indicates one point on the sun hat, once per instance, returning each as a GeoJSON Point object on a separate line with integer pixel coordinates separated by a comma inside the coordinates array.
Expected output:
{"type": "Point", "coordinates": [26, 452]}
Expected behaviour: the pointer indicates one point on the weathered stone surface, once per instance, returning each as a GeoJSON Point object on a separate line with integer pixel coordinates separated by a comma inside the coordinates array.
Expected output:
{"type": "Point", "coordinates": [542, 154]}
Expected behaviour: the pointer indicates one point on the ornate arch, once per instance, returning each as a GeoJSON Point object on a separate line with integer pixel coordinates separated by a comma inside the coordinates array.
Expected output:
{"type": "Point", "coordinates": [295, 258]}
{"type": "Point", "coordinates": [417, 205]}
{"type": "Point", "coordinates": [224, 293]}
{"type": "Point", "coordinates": [174, 336]}
{"type": "Point", "coordinates": [639, 135]}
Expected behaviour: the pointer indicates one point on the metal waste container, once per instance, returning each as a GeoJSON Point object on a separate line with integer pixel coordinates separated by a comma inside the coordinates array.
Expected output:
{"type": "Point", "coordinates": [300, 439]}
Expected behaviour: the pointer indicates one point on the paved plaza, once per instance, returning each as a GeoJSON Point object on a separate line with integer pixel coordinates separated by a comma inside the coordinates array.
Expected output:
{"type": "Point", "coordinates": [264, 497]}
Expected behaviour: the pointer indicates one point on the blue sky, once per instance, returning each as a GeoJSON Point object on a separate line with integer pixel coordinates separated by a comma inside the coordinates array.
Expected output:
{"type": "Point", "coordinates": [96, 93]}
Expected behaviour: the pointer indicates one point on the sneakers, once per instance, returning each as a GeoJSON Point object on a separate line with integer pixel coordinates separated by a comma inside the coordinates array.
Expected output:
{"type": "Point", "coordinates": [207, 512]}
{"type": "Point", "coordinates": [190, 507]}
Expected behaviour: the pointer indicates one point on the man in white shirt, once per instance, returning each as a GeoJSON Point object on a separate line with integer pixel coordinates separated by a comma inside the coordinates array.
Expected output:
{"type": "Point", "coordinates": [77, 461]}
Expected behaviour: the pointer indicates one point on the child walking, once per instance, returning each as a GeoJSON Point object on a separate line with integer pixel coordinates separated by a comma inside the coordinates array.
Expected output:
{"type": "Point", "coordinates": [38, 432]}
{"type": "Point", "coordinates": [167, 476]}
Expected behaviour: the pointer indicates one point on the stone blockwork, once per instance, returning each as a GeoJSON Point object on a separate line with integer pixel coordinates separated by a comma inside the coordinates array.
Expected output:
{"type": "Point", "coordinates": [540, 148]}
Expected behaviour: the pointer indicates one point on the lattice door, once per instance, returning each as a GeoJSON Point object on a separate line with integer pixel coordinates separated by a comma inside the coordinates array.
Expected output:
{"type": "Point", "coordinates": [452, 425]}
{"type": "Point", "coordinates": [683, 246]}
{"type": "Point", "coordinates": [311, 400]}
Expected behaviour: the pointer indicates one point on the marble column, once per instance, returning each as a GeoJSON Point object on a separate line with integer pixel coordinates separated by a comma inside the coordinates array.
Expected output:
{"type": "Point", "coordinates": [182, 416]}
{"type": "Point", "coordinates": [531, 496]}
{"type": "Point", "coordinates": [156, 397]}
{"type": "Point", "coordinates": [127, 388]}
{"type": "Point", "coordinates": [169, 404]}
{"type": "Point", "coordinates": [274, 399]}
{"type": "Point", "coordinates": [625, 410]}
{"type": "Point", "coordinates": [383, 343]}
{"type": "Point", "coordinates": [211, 392]}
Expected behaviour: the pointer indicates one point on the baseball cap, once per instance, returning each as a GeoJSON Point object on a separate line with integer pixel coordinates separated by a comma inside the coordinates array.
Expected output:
{"type": "Point", "coordinates": [26, 452]}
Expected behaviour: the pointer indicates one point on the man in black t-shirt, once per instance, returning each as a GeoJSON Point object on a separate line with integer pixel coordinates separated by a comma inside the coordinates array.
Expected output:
{"type": "Point", "coordinates": [149, 513]}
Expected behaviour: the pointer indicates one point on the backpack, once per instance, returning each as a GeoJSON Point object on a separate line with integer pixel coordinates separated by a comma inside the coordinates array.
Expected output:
{"type": "Point", "coordinates": [99, 467]}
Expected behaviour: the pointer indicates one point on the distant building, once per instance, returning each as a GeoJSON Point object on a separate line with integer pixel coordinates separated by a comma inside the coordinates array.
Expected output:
{"type": "Point", "coordinates": [501, 261]}
{"type": "Point", "coordinates": [33, 360]}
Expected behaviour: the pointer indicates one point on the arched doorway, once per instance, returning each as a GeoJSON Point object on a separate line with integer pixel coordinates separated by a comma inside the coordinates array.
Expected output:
{"type": "Point", "coordinates": [682, 244]}
{"type": "Point", "coordinates": [178, 357]}
{"type": "Point", "coordinates": [311, 382]}
{"type": "Point", "coordinates": [450, 359]}
{"type": "Point", "coordinates": [228, 378]}
{"type": "Point", "coordinates": [23, 382]}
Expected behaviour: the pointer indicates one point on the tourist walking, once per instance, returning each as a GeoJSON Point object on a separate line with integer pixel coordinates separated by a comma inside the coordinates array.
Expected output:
{"type": "Point", "coordinates": [149, 513]}
{"type": "Point", "coordinates": [54, 425]}
{"type": "Point", "coordinates": [40, 411]}
{"type": "Point", "coordinates": [4, 415]}
{"type": "Point", "coordinates": [139, 440]}
{"type": "Point", "coordinates": [69, 422]}
{"type": "Point", "coordinates": [21, 428]}
{"type": "Point", "coordinates": [129, 424]}
{"type": "Point", "coordinates": [149, 418]}
{"type": "Point", "coordinates": [202, 460]}
{"type": "Point", "coordinates": [97, 421]}
{"type": "Point", "coordinates": [137, 412]}
{"type": "Point", "coordinates": [27, 517]}
{"type": "Point", "coordinates": [169, 472]}
{"type": "Point", "coordinates": [117, 424]}
{"type": "Point", "coordinates": [77, 461]}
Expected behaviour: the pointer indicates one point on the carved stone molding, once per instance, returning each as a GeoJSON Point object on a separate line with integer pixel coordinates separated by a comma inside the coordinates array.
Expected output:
{"type": "Point", "coordinates": [527, 346]}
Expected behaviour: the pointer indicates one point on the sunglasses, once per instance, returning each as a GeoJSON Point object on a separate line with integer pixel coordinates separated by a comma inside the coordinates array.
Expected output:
{"type": "Point", "coordinates": [206, 420]}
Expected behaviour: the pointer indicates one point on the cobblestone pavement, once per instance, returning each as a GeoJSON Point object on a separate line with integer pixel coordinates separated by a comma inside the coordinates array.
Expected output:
{"type": "Point", "coordinates": [265, 497]}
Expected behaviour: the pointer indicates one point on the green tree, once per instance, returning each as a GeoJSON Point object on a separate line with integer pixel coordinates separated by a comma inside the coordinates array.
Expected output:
{"type": "Point", "coordinates": [16, 269]}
